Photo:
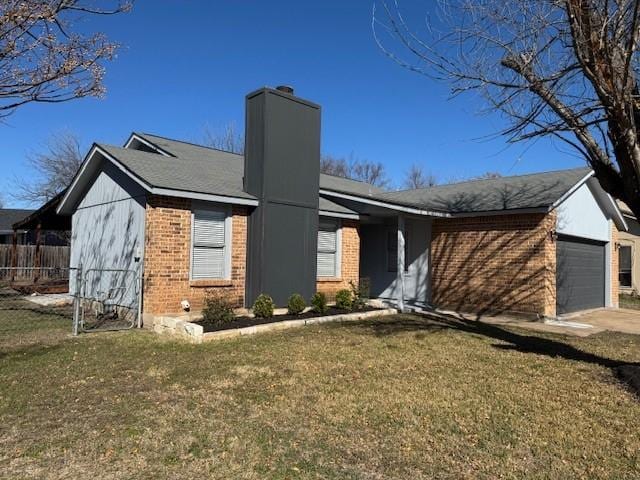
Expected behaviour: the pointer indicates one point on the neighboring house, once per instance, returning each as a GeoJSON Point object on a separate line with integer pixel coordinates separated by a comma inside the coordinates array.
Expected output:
{"type": "Point", "coordinates": [629, 253]}
{"type": "Point", "coordinates": [44, 226]}
{"type": "Point", "coordinates": [9, 216]}
{"type": "Point", "coordinates": [193, 219]}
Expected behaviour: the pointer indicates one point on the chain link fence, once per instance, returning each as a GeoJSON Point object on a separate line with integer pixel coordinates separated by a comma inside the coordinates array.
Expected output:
{"type": "Point", "coordinates": [34, 299]}
{"type": "Point", "coordinates": [106, 299]}
{"type": "Point", "coordinates": [78, 300]}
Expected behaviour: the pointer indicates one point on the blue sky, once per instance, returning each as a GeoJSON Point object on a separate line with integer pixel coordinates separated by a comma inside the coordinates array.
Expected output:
{"type": "Point", "coordinates": [186, 64]}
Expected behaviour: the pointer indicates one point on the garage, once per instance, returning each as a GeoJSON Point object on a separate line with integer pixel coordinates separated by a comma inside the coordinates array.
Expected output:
{"type": "Point", "coordinates": [580, 274]}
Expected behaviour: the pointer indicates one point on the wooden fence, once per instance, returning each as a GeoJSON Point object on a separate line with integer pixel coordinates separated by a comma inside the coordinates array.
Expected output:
{"type": "Point", "coordinates": [52, 262]}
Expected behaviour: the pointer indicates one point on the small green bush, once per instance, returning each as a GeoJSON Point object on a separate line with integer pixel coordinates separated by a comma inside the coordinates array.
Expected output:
{"type": "Point", "coordinates": [319, 303]}
{"type": "Point", "coordinates": [360, 294]}
{"type": "Point", "coordinates": [217, 310]}
{"type": "Point", "coordinates": [263, 306]}
{"type": "Point", "coordinates": [296, 304]}
{"type": "Point", "coordinates": [344, 301]}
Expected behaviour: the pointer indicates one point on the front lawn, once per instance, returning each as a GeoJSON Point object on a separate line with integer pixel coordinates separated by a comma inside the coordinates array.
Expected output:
{"type": "Point", "coordinates": [400, 397]}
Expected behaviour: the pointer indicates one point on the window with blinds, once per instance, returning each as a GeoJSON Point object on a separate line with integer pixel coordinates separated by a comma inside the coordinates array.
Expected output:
{"type": "Point", "coordinates": [328, 244]}
{"type": "Point", "coordinates": [209, 255]}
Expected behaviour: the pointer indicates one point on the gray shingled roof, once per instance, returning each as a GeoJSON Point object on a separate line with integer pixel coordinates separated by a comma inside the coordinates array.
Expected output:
{"type": "Point", "coordinates": [9, 216]}
{"type": "Point", "coordinates": [206, 170]}
{"type": "Point", "coordinates": [189, 151]}
{"type": "Point", "coordinates": [505, 193]}
{"type": "Point", "coordinates": [216, 173]}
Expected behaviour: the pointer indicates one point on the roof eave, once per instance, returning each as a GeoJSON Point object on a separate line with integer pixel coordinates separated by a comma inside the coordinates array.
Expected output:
{"type": "Point", "coordinates": [383, 204]}
{"type": "Point", "coordinates": [67, 206]}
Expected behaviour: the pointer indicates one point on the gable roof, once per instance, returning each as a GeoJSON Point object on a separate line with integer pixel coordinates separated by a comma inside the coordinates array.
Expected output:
{"type": "Point", "coordinates": [215, 172]}
{"type": "Point", "coordinates": [533, 191]}
{"type": "Point", "coordinates": [194, 171]}
{"type": "Point", "coordinates": [234, 161]}
{"type": "Point", "coordinates": [9, 216]}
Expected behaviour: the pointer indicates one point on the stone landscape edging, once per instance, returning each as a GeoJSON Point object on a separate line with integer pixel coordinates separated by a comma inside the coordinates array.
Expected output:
{"type": "Point", "coordinates": [194, 332]}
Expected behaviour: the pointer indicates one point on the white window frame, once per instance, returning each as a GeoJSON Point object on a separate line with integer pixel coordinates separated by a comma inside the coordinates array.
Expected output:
{"type": "Point", "coordinates": [338, 267]}
{"type": "Point", "coordinates": [228, 236]}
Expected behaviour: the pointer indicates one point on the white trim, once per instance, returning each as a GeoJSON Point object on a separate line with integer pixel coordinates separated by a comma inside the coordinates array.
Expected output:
{"type": "Point", "coordinates": [496, 213]}
{"type": "Point", "coordinates": [571, 190]}
{"type": "Point", "coordinates": [135, 136]}
{"type": "Point", "coordinates": [618, 213]}
{"type": "Point", "coordinates": [207, 197]}
{"type": "Point", "coordinates": [378, 203]}
{"type": "Point", "coordinates": [401, 262]}
{"type": "Point", "coordinates": [348, 216]}
{"type": "Point", "coordinates": [153, 190]}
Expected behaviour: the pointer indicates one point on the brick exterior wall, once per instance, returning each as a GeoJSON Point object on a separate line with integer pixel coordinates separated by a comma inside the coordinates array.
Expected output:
{"type": "Point", "coordinates": [615, 280]}
{"type": "Point", "coordinates": [495, 263]}
{"type": "Point", "coordinates": [168, 253]}
{"type": "Point", "coordinates": [350, 262]}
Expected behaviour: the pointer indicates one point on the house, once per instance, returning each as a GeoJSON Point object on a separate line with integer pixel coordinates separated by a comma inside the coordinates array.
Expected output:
{"type": "Point", "coordinates": [629, 253]}
{"type": "Point", "coordinates": [9, 216]}
{"type": "Point", "coordinates": [44, 226]}
{"type": "Point", "coordinates": [191, 220]}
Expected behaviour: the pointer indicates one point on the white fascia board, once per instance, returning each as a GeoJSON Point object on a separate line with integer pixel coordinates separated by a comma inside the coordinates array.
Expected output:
{"type": "Point", "coordinates": [134, 136]}
{"type": "Point", "coordinates": [570, 192]}
{"type": "Point", "coordinates": [153, 190]}
{"type": "Point", "coordinates": [74, 184]}
{"type": "Point", "coordinates": [492, 213]}
{"type": "Point", "coordinates": [618, 216]}
{"type": "Point", "coordinates": [348, 216]}
{"type": "Point", "coordinates": [379, 203]}
{"type": "Point", "coordinates": [209, 197]}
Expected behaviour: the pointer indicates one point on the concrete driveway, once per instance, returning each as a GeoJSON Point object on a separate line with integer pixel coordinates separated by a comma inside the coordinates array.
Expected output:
{"type": "Point", "coordinates": [579, 325]}
{"type": "Point", "coordinates": [616, 320]}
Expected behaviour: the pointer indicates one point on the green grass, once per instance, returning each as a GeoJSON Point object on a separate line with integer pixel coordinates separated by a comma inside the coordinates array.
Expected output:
{"type": "Point", "coordinates": [629, 301]}
{"type": "Point", "coordinates": [401, 397]}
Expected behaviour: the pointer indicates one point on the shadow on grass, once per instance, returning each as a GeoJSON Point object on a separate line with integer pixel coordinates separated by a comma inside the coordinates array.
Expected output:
{"type": "Point", "coordinates": [628, 372]}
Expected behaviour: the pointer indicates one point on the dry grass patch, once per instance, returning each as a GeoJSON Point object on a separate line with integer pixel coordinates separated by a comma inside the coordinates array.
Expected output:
{"type": "Point", "coordinates": [399, 397]}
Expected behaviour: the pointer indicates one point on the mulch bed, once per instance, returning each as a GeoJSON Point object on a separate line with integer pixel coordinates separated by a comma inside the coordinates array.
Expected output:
{"type": "Point", "coordinates": [630, 374]}
{"type": "Point", "coordinates": [241, 322]}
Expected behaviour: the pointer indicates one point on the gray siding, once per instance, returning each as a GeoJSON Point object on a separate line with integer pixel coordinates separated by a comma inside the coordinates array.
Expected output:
{"type": "Point", "coordinates": [373, 261]}
{"type": "Point", "coordinates": [581, 215]}
{"type": "Point", "coordinates": [282, 169]}
{"type": "Point", "coordinates": [108, 233]}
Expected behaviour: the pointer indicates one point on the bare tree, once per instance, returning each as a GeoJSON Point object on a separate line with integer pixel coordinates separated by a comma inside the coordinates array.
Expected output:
{"type": "Point", "coordinates": [44, 58]}
{"type": "Point", "coordinates": [228, 138]}
{"type": "Point", "coordinates": [355, 169]}
{"type": "Point", "coordinates": [565, 69]}
{"type": "Point", "coordinates": [417, 178]}
{"type": "Point", "coordinates": [54, 169]}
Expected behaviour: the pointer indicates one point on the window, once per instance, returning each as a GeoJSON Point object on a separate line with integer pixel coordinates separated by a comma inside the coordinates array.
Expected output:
{"type": "Point", "coordinates": [392, 250]}
{"type": "Point", "coordinates": [328, 249]}
{"type": "Point", "coordinates": [210, 240]}
{"type": "Point", "coordinates": [624, 265]}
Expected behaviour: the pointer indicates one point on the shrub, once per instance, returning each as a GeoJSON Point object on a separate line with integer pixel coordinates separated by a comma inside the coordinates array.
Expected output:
{"type": "Point", "coordinates": [319, 303]}
{"type": "Point", "coordinates": [296, 304]}
{"type": "Point", "coordinates": [360, 294]}
{"type": "Point", "coordinates": [344, 301]}
{"type": "Point", "coordinates": [217, 310]}
{"type": "Point", "coordinates": [263, 306]}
